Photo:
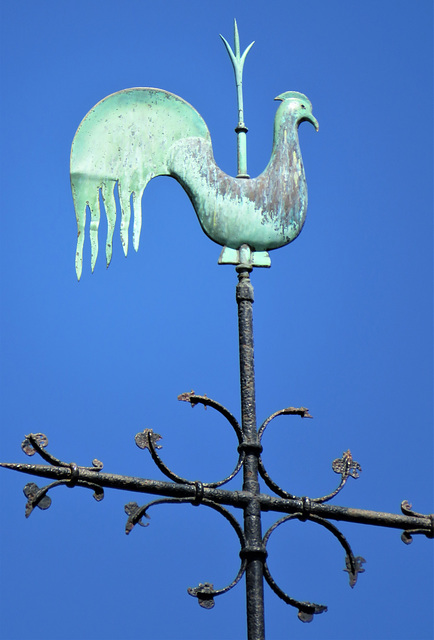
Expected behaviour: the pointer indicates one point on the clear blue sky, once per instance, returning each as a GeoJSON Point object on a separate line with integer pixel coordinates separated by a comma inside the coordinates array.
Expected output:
{"type": "Point", "coordinates": [343, 319]}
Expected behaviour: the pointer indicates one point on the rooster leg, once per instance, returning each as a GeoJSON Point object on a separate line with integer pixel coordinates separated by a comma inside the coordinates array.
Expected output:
{"type": "Point", "coordinates": [124, 199]}
{"type": "Point", "coordinates": [137, 205]}
{"type": "Point", "coordinates": [95, 214]}
{"type": "Point", "coordinates": [108, 196]}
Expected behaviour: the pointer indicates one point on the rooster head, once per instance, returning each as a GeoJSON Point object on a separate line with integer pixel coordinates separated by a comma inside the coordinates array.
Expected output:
{"type": "Point", "coordinates": [300, 105]}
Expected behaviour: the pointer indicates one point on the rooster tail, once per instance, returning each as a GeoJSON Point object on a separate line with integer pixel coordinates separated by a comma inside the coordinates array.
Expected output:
{"type": "Point", "coordinates": [108, 196]}
{"type": "Point", "coordinates": [86, 195]}
{"type": "Point", "coordinates": [127, 197]}
{"type": "Point", "coordinates": [137, 204]}
{"type": "Point", "coordinates": [127, 139]}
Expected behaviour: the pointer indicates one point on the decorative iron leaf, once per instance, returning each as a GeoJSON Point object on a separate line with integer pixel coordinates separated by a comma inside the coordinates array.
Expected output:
{"type": "Point", "coordinates": [131, 509]}
{"type": "Point", "coordinates": [28, 447]}
{"type": "Point", "coordinates": [346, 466]}
{"type": "Point", "coordinates": [204, 594]}
{"type": "Point", "coordinates": [98, 494]}
{"type": "Point", "coordinates": [142, 441]}
{"type": "Point", "coordinates": [304, 616]}
{"type": "Point", "coordinates": [35, 498]}
{"type": "Point", "coordinates": [353, 566]}
{"type": "Point", "coordinates": [406, 537]}
{"type": "Point", "coordinates": [307, 614]}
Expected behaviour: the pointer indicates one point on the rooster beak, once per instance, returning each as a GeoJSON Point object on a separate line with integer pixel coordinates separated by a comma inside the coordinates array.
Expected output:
{"type": "Point", "coordinates": [310, 118]}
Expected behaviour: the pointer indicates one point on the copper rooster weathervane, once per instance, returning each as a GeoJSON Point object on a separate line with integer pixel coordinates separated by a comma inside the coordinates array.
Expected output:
{"type": "Point", "coordinates": [126, 140]}
{"type": "Point", "coordinates": [137, 134]}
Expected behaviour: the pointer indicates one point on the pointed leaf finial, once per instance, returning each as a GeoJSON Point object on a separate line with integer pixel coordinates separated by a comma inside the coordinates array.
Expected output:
{"type": "Point", "coordinates": [238, 64]}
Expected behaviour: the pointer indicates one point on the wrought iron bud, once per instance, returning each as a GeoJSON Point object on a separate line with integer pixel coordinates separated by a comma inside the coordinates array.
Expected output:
{"type": "Point", "coordinates": [36, 497]}
{"type": "Point", "coordinates": [193, 399]}
{"type": "Point", "coordinates": [406, 508]}
{"type": "Point", "coordinates": [204, 594]}
{"type": "Point", "coordinates": [406, 536]}
{"type": "Point", "coordinates": [305, 616]}
{"type": "Point", "coordinates": [308, 611]}
{"type": "Point", "coordinates": [142, 439]}
{"type": "Point", "coordinates": [28, 447]}
{"type": "Point", "coordinates": [346, 466]}
{"type": "Point", "coordinates": [353, 566]}
{"type": "Point", "coordinates": [186, 397]}
{"type": "Point", "coordinates": [132, 510]}
{"type": "Point", "coordinates": [98, 494]}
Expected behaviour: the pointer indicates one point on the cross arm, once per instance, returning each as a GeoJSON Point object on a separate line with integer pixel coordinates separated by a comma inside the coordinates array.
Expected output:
{"type": "Point", "coordinates": [407, 521]}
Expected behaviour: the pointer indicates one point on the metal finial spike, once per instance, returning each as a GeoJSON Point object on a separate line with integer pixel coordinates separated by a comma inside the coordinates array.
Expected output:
{"type": "Point", "coordinates": [37, 469]}
{"type": "Point", "coordinates": [241, 129]}
{"type": "Point", "coordinates": [236, 39]}
{"type": "Point", "coordinates": [41, 470]}
{"type": "Point", "coordinates": [19, 466]}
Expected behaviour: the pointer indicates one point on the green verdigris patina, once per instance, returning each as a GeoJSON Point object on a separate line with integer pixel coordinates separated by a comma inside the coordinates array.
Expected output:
{"type": "Point", "coordinates": [237, 61]}
{"type": "Point", "coordinates": [136, 134]}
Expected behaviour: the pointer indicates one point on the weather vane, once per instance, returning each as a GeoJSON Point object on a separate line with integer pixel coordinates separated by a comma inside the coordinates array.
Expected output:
{"type": "Point", "coordinates": [137, 134]}
{"type": "Point", "coordinates": [126, 140]}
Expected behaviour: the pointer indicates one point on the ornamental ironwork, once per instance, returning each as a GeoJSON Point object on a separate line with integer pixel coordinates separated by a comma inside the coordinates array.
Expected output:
{"type": "Point", "coordinates": [124, 141]}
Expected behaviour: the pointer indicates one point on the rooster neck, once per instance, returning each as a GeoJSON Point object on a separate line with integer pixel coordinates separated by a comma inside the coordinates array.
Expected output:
{"type": "Point", "coordinates": [285, 138]}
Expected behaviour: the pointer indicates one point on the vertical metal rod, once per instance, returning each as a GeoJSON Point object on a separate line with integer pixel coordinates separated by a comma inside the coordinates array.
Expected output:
{"type": "Point", "coordinates": [254, 551]}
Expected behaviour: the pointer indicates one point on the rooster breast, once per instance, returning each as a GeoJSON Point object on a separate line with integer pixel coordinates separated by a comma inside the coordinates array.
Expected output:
{"type": "Point", "coordinates": [265, 213]}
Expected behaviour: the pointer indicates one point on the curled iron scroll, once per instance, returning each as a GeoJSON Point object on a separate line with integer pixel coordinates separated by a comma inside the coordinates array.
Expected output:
{"type": "Point", "coordinates": [306, 610]}
{"type": "Point", "coordinates": [204, 592]}
{"type": "Point", "coordinates": [148, 439]}
{"type": "Point", "coordinates": [345, 466]}
{"type": "Point", "coordinates": [37, 496]}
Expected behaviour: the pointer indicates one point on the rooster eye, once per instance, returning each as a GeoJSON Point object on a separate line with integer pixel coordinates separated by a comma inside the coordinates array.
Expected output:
{"type": "Point", "coordinates": [302, 106]}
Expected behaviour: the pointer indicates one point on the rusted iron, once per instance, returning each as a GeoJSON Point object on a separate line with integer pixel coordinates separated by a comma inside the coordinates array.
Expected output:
{"type": "Point", "coordinates": [423, 523]}
{"type": "Point", "coordinates": [253, 544]}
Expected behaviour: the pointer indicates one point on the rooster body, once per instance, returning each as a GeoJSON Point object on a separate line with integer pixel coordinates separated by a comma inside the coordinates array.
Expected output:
{"type": "Point", "coordinates": [137, 134]}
